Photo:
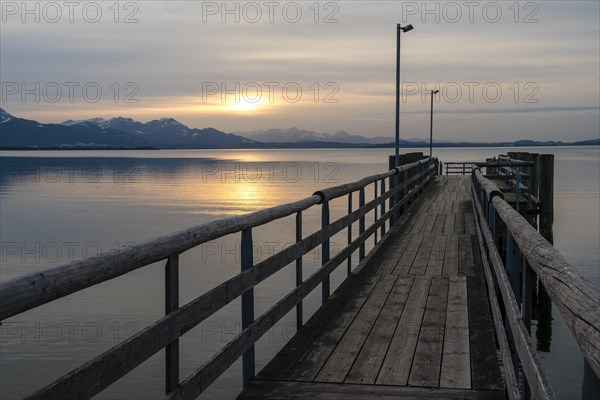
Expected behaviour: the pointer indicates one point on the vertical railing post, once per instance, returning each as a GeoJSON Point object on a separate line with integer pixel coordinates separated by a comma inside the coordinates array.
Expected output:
{"type": "Point", "coordinates": [349, 233]}
{"type": "Point", "coordinates": [171, 304]}
{"type": "Point", "coordinates": [375, 210]}
{"type": "Point", "coordinates": [527, 280]}
{"type": "Point", "coordinates": [405, 190]}
{"type": "Point", "coordinates": [299, 269]}
{"type": "Point", "coordinates": [382, 206]}
{"type": "Point", "coordinates": [325, 251]}
{"type": "Point", "coordinates": [393, 183]}
{"type": "Point", "coordinates": [247, 305]}
{"type": "Point", "coordinates": [361, 223]}
{"type": "Point", "coordinates": [513, 265]}
{"type": "Point", "coordinates": [518, 189]}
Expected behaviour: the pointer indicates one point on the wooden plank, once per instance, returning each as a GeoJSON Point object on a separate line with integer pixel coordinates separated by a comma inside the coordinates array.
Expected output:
{"type": "Point", "coordinates": [436, 260]}
{"type": "Point", "coordinates": [370, 358]}
{"type": "Point", "coordinates": [449, 224]}
{"type": "Point", "coordinates": [284, 361]}
{"type": "Point", "coordinates": [391, 259]}
{"type": "Point", "coordinates": [269, 390]}
{"type": "Point", "coordinates": [469, 221]}
{"type": "Point", "coordinates": [342, 358]}
{"type": "Point", "coordinates": [438, 225]}
{"type": "Point", "coordinates": [408, 257]}
{"type": "Point", "coordinates": [478, 265]}
{"type": "Point", "coordinates": [466, 263]}
{"type": "Point", "coordinates": [456, 363]}
{"type": "Point", "coordinates": [484, 361]}
{"type": "Point", "coordinates": [421, 260]}
{"type": "Point", "coordinates": [425, 370]}
{"type": "Point", "coordinates": [457, 205]}
{"type": "Point", "coordinates": [449, 205]}
{"type": "Point", "coordinates": [308, 365]}
{"type": "Point", "coordinates": [459, 224]}
{"type": "Point", "coordinates": [427, 226]}
{"type": "Point", "coordinates": [398, 360]}
{"type": "Point", "coordinates": [450, 267]}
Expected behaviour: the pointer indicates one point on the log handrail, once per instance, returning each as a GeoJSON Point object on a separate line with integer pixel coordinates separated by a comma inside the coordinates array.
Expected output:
{"type": "Point", "coordinates": [575, 297]}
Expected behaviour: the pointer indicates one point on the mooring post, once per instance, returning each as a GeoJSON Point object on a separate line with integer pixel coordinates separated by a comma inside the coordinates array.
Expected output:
{"type": "Point", "coordinates": [247, 305]}
{"type": "Point", "coordinates": [546, 196]}
{"type": "Point", "coordinates": [299, 318]}
{"type": "Point", "coordinates": [171, 304]}
{"type": "Point", "coordinates": [325, 252]}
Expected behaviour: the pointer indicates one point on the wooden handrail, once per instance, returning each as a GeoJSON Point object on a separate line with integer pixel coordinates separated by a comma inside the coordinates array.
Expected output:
{"type": "Point", "coordinates": [24, 293]}
{"type": "Point", "coordinates": [575, 297]}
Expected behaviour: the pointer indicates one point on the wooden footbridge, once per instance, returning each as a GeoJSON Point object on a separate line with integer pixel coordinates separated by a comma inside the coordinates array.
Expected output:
{"type": "Point", "coordinates": [441, 307]}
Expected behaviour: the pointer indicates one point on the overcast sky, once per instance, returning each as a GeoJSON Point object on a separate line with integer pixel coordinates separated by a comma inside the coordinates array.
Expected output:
{"type": "Point", "coordinates": [505, 70]}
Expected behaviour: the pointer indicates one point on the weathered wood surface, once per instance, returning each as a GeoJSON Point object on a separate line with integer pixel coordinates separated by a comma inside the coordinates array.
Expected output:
{"type": "Point", "coordinates": [269, 390]}
{"type": "Point", "coordinates": [421, 324]}
{"type": "Point", "coordinates": [577, 300]}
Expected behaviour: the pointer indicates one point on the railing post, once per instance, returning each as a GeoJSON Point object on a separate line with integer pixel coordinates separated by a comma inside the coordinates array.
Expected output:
{"type": "Point", "coordinates": [518, 189]}
{"type": "Point", "coordinates": [375, 210]}
{"type": "Point", "coordinates": [526, 311]}
{"type": "Point", "coordinates": [361, 223]}
{"type": "Point", "coordinates": [513, 265]}
{"type": "Point", "coordinates": [247, 305]}
{"type": "Point", "coordinates": [299, 269]}
{"type": "Point", "coordinates": [405, 191]}
{"type": "Point", "coordinates": [382, 206]}
{"type": "Point", "coordinates": [394, 181]}
{"type": "Point", "coordinates": [171, 304]}
{"type": "Point", "coordinates": [349, 233]}
{"type": "Point", "coordinates": [325, 251]}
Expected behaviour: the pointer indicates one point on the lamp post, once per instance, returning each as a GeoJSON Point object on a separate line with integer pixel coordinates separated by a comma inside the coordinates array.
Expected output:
{"type": "Point", "coordinates": [399, 29]}
{"type": "Point", "coordinates": [431, 124]}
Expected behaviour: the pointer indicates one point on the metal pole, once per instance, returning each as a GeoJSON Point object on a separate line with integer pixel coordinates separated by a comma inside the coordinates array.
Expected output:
{"type": "Point", "coordinates": [397, 144]}
{"type": "Point", "coordinates": [397, 149]}
{"type": "Point", "coordinates": [431, 128]}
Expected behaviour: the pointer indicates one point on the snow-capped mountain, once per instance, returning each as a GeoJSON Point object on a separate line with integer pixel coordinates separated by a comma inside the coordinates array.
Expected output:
{"type": "Point", "coordinates": [4, 116]}
{"type": "Point", "coordinates": [113, 133]}
{"type": "Point", "coordinates": [295, 135]}
{"type": "Point", "coordinates": [169, 133]}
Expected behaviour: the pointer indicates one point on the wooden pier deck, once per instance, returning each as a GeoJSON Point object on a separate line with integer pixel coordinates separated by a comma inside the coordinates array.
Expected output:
{"type": "Point", "coordinates": [414, 323]}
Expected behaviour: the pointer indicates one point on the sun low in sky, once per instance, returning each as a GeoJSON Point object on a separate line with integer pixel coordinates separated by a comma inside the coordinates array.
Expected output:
{"type": "Point", "coordinates": [504, 70]}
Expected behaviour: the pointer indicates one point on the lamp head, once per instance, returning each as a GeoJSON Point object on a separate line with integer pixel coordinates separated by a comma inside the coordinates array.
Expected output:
{"type": "Point", "coordinates": [435, 91]}
{"type": "Point", "coordinates": [406, 28]}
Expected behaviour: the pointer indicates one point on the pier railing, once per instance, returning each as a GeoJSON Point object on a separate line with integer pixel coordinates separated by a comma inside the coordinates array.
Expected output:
{"type": "Point", "coordinates": [24, 293]}
{"type": "Point", "coordinates": [514, 253]}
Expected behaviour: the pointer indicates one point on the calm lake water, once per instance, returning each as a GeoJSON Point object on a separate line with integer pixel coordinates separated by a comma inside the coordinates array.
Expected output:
{"type": "Point", "coordinates": [60, 206]}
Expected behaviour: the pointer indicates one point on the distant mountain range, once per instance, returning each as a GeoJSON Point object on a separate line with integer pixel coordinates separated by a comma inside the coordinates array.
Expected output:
{"type": "Point", "coordinates": [295, 135]}
{"type": "Point", "coordinates": [167, 133]}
